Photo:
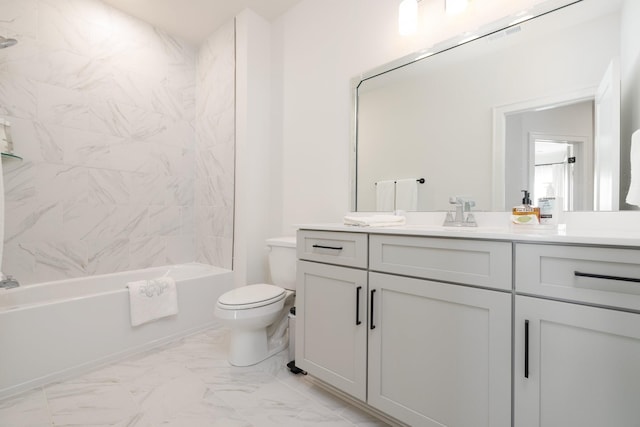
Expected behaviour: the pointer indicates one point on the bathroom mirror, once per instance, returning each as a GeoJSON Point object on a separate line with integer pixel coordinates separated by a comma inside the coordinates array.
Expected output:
{"type": "Point", "coordinates": [480, 118]}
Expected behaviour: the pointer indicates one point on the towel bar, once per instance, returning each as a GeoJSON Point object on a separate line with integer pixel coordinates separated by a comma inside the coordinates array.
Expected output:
{"type": "Point", "coordinates": [419, 180]}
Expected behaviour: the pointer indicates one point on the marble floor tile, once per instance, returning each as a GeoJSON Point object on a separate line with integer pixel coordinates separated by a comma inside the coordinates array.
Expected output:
{"type": "Point", "coordinates": [187, 383]}
{"type": "Point", "coordinates": [89, 404]}
{"type": "Point", "coordinates": [26, 410]}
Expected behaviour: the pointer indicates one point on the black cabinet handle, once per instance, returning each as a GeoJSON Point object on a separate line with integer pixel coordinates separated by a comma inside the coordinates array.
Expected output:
{"type": "Point", "coordinates": [526, 349]}
{"type": "Point", "coordinates": [602, 276]}
{"type": "Point", "coordinates": [358, 289]}
{"type": "Point", "coordinates": [335, 248]}
{"type": "Point", "coordinates": [372, 326]}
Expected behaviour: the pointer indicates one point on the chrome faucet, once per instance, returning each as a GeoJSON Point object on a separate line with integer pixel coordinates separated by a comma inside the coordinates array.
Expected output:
{"type": "Point", "coordinates": [463, 216]}
{"type": "Point", "coordinates": [8, 282]}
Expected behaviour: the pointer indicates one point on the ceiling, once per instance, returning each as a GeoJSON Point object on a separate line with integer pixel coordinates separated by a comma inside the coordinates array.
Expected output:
{"type": "Point", "coordinates": [194, 20]}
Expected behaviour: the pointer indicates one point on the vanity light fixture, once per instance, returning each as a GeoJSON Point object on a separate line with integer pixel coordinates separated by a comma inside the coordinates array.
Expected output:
{"type": "Point", "coordinates": [453, 7]}
{"type": "Point", "coordinates": [408, 14]}
{"type": "Point", "coordinates": [408, 17]}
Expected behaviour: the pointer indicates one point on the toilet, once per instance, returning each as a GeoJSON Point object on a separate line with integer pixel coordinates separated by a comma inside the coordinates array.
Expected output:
{"type": "Point", "coordinates": [258, 314]}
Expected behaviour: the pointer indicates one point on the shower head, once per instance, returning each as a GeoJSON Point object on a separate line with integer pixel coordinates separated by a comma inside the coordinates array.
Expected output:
{"type": "Point", "coordinates": [5, 42]}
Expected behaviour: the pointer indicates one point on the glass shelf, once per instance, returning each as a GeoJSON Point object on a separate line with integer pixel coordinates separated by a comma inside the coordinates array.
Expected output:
{"type": "Point", "coordinates": [10, 156]}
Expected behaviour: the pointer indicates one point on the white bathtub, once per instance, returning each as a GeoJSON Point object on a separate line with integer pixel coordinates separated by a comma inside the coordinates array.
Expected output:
{"type": "Point", "coordinates": [54, 330]}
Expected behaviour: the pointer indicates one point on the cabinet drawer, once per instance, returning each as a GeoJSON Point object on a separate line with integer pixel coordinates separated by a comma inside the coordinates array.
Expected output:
{"type": "Point", "coordinates": [603, 276]}
{"type": "Point", "coordinates": [472, 262]}
{"type": "Point", "coordinates": [341, 248]}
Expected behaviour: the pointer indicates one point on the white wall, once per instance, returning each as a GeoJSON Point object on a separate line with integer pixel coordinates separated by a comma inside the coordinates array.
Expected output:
{"type": "Point", "coordinates": [323, 45]}
{"type": "Point", "coordinates": [258, 186]}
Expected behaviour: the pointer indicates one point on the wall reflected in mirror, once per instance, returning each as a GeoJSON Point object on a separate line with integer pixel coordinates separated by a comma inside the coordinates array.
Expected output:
{"type": "Point", "coordinates": [467, 119]}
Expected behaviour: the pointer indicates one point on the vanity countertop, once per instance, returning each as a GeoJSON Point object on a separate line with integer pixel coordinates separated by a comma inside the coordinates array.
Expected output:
{"type": "Point", "coordinates": [561, 234]}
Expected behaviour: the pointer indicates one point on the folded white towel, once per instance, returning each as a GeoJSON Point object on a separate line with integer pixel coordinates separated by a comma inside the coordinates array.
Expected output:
{"type": "Point", "coordinates": [385, 196]}
{"type": "Point", "coordinates": [633, 195]}
{"type": "Point", "coordinates": [374, 220]}
{"type": "Point", "coordinates": [407, 194]}
{"type": "Point", "coordinates": [152, 299]}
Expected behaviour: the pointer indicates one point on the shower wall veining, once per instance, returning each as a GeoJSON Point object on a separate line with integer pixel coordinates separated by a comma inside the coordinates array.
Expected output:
{"type": "Point", "coordinates": [127, 135]}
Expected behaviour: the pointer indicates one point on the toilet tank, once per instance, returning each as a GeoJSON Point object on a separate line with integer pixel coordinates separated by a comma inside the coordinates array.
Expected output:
{"type": "Point", "coordinates": [282, 261]}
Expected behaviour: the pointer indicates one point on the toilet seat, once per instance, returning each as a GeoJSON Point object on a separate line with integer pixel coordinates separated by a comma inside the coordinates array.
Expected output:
{"type": "Point", "coordinates": [251, 296]}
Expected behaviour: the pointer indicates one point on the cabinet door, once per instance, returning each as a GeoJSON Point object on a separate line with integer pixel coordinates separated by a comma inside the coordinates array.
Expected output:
{"type": "Point", "coordinates": [579, 367]}
{"type": "Point", "coordinates": [331, 334]}
{"type": "Point", "coordinates": [439, 354]}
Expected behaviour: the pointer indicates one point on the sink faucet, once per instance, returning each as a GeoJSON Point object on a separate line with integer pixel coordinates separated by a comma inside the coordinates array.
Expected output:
{"type": "Point", "coordinates": [8, 282]}
{"type": "Point", "coordinates": [463, 216]}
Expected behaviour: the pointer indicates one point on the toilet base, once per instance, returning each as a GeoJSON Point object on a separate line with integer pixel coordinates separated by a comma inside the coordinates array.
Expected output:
{"type": "Point", "coordinates": [251, 346]}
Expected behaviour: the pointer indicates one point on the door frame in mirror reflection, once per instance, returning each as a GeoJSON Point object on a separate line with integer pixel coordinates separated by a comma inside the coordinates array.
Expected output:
{"type": "Point", "coordinates": [600, 178]}
{"type": "Point", "coordinates": [500, 179]}
{"type": "Point", "coordinates": [576, 183]}
{"type": "Point", "coordinates": [607, 141]}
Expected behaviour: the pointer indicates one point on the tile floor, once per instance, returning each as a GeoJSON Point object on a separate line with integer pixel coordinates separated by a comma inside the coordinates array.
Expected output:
{"type": "Point", "coordinates": [184, 384]}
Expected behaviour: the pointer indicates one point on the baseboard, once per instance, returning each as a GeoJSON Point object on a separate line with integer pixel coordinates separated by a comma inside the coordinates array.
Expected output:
{"type": "Point", "coordinates": [87, 367]}
{"type": "Point", "coordinates": [357, 403]}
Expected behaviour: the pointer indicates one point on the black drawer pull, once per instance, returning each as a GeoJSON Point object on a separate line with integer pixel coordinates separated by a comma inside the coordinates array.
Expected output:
{"type": "Point", "coordinates": [371, 325]}
{"type": "Point", "coordinates": [335, 248]}
{"type": "Point", "coordinates": [358, 321]}
{"type": "Point", "coordinates": [526, 349]}
{"type": "Point", "coordinates": [603, 276]}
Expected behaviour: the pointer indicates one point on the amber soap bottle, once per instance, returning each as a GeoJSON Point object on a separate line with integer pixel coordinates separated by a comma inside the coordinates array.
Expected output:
{"type": "Point", "coordinates": [525, 214]}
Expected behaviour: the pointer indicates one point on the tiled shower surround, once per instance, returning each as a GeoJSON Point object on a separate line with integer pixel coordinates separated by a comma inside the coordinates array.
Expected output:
{"type": "Point", "coordinates": [127, 135]}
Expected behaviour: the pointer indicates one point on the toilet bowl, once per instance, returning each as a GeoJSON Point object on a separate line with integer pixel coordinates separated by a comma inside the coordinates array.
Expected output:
{"type": "Point", "coordinates": [257, 314]}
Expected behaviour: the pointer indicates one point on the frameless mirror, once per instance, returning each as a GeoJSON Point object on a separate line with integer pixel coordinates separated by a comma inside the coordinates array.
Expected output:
{"type": "Point", "coordinates": [534, 105]}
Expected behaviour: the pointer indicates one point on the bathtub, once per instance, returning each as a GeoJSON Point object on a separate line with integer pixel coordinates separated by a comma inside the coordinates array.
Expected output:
{"type": "Point", "coordinates": [51, 331]}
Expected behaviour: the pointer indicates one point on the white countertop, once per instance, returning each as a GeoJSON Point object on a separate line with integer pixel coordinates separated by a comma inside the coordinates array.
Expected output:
{"type": "Point", "coordinates": [596, 229]}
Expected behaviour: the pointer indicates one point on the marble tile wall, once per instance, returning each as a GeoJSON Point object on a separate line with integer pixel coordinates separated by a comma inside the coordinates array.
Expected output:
{"type": "Point", "coordinates": [104, 110]}
{"type": "Point", "coordinates": [215, 148]}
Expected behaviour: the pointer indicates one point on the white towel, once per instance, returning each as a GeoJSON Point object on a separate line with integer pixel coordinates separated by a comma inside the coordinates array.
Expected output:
{"type": "Point", "coordinates": [385, 196]}
{"type": "Point", "coordinates": [407, 194]}
{"type": "Point", "coordinates": [152, 299]}
{"type": "Point", "coordinates": [633, 195]}
{"type": "Point", "coordinates": [374, 220]}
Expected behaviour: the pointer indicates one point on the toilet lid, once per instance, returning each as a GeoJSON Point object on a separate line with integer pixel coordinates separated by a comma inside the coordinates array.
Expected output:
{"type": "Point", "coordinates": [251, 296]}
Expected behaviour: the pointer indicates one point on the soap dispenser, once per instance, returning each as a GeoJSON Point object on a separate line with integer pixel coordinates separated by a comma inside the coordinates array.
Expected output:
{"type": "Point", "coordinates": [525, 214]}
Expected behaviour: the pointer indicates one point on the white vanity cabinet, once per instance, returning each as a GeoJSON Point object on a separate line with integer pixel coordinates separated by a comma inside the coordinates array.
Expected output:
{"type": "Point", "coordinates": [331, 309]}
{"type": "Point", "coordinates": [445, 331]}
{"type": "Point", "coordinates": [440, 353]}
{"type": "Point", "coordinates": [576, 363]}
{"type": "Point", "coordinates": [437, 353]}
